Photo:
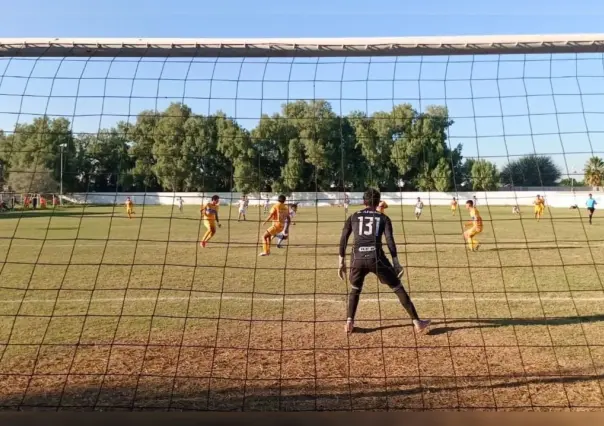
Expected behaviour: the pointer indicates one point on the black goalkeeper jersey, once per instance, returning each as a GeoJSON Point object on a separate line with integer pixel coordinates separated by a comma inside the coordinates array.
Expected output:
{"type": "Point", "coordinates": [368, 226]}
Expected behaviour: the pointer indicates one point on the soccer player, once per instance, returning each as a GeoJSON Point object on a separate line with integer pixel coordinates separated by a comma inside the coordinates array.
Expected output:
{"type": "Point", "coordinates": [419, 206]}
{"type": "Point", "coordinates": [346, 204]}
{"type": "Point", "coordinates": [368, 226]}
{"type": "Point", "coordinates": [516, 210]}
{"type": "Point", "coordinates": [382, 206]}
{"type": "Point", "coordinates": [279, 214]}
{"type": "Point", "coordinates": [129, 208]}
{"type": "Point", "coordinates": [591, 206]}
{"type": "Point", "coordinates": [180, 204]}
{"type": "Point", "coordinates": [453, 206]}
{"type": "Point", "coordinates": [267, 204]}
{"type": "Point", "coordinates": [474, 226]}
{"type": "Point", "coordinates": [209, 215]}
{"type": "Point", "coordinates": [242, 208]}
{"type": "Point", "coordinates": [475, 200]}
{"type": "Point", "coordinates": [284, 235]}
{"type": "Point", "coordinates": [539, 204]}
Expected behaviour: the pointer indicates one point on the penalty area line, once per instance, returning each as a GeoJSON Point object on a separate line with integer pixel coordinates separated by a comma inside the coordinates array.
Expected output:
{"type": "Point", "coordinates": [286, 298]}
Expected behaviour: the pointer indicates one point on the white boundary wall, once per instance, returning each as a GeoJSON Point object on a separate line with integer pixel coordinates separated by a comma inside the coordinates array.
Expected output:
{"type": "Point", "coordinates": [311, 199]}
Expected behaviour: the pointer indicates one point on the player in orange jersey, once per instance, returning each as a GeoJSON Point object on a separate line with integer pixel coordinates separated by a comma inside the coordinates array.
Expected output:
{"type": "Point", "coordinates": [474, 226]}
{"type": "Point", "coordinates": [209, 215]}
{"type": "Point", "coordinates": [129, 208]}
{"type": "Point", "coordinates": [539, 208]}
{"type": "Point", "coordinates": [279, 214]}
{"type": "Point", "coordinates": [453, 206]}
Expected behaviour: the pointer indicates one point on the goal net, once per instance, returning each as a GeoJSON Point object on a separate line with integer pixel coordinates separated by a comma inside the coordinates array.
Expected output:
{"type": "Point", "coordinates": [114, 295]}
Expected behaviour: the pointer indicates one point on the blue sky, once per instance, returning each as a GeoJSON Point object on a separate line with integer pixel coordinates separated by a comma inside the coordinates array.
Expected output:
{"type": "Point", "coordinates": [502, 105]}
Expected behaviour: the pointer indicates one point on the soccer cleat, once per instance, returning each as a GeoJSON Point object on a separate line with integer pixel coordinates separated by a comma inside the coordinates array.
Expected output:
{"type": "Point", "coordinates": [349, 326]}
{"type": "Point", "coordinates": [263, 254]}
{"type": "Point", "coordinates": [203, 244]}
{"type": "Point", "coordinates": [421, 326]}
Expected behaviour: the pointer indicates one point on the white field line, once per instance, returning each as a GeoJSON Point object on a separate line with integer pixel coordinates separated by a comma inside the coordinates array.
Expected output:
{"type": "Point", "coordinates": [342, 299]}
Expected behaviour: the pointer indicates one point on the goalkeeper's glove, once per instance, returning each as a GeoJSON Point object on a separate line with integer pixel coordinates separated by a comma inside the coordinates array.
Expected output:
{"type": "Point", "coordinates": [342, 268]}
{"type": "Point", "coordinates": [398, 268]}
{"type": "Point", "coordinates": [219, 225]}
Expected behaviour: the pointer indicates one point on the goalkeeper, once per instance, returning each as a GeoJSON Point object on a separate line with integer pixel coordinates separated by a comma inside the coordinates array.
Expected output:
{"type": "Point", "coordinates": [368, 256]}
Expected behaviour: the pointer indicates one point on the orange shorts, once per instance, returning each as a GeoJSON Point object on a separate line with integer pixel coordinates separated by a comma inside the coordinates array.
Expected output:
{"type": "Point", "coordinates": [275, 229]}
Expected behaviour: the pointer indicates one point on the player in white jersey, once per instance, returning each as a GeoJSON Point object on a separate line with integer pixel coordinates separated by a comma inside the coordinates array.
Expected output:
{"type": "Point", "coordinates": [419, 206]}
{"type": "Point", "coordinates": [284, 235]}
{"type": "Point", "coordinates": [346, 204]}
{"type": "Point", "coordinates": [243, 203]}
{"type": "Point", "coordinates": [180, 204]}
{"type": "Point", "coordinates": [267, 205]}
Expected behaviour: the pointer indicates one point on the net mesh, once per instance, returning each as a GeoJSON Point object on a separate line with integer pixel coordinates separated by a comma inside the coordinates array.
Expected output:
{"type": "Point", "coordinates": [99, 310]}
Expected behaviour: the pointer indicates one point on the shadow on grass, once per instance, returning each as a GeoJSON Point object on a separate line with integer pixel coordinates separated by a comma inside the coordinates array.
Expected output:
{"type": "Point", "coordinates": [516, 322]}
{"type": "Point", "coordinates": [73, 212]}
{"type": "Point", "coordinates": [161, 393]}
{"type": "Point", "coordinates": [449, 326]}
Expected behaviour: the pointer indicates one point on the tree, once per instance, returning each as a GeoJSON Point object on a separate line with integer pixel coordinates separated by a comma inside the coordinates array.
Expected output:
{"type": "Point", "coordinates": [594, 172]}
{"type": "Point", "coordinates": [33, 179]}
{"type": "Point", "coordinates": [39, 145]}
{"type": "Point", "coordinates": [141, 138]}
{"type": "Point", "coordinates": [484, 176]}
{"type": "Point", "coordinates": [107, 162]}
{"type": "Point", "coordinates": [571, 182]}
{"type": "Point", "coordinates": [531, 170]}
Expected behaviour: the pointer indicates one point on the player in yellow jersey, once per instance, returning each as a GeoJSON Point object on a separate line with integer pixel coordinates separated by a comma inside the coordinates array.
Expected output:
{"type": "Point", "coordinates": [129, 208]}
{"type": "Point", "coordinates": [381, 207]}
{"type": "Point", "coordinates": [279, 214]}
{"type": "Point", "coordinates": [453, 206]}
{"type": "Point", "coordinates": [474, 226]}
{"type": "Point", "coordinates": [539, 204]}
{"type": "Point", "coordinates": [209, 215]}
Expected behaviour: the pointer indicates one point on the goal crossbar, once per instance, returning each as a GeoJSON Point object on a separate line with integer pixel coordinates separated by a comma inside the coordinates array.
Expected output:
{"type": "Point", "coordinates": [302, 47]}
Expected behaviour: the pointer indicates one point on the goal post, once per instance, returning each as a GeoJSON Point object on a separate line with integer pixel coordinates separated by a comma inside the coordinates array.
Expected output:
{"type": "Point", "coordinates": [486, 149]}
{"type": "Point", "coordinates": [304, 47]}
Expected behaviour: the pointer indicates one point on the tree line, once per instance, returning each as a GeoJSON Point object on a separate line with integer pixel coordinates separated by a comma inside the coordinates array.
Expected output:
{"type": "Point", "coordinates": [304, 147]}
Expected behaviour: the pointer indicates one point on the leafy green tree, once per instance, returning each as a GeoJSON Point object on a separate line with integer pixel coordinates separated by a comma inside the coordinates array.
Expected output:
{"type": "Point", "coordinates": [38, 145]}
{"type": "Point", "coordinates": [107, 161]}
{"type": "Point", "coordinates": [235, 144]}
{"type": "Point", "coordinates": [484, 176]}
{"type": "Point", "coordinates": [34, 178]}
{"type": "Point", "coordinates": [594, 172]}
{"type": "Point", "coordinates": [141, 139]}
{"type": "Point", "coordinates": [531, 170]}
{"type": "Point", "coordinates": [571, 182]}
{"type": "Point", "coordinates": [209, 170]}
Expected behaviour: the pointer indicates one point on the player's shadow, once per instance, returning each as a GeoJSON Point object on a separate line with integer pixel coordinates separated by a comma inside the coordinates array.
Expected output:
{"type": "Point", "coordinates": [449, 326]}
{"type": "Point", "coordinates": [16, 214]}
{"type": "Point", "coordinates": [469, 324]}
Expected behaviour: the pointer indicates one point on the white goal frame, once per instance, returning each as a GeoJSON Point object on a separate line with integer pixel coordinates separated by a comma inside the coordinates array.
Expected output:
{"type": "Point", "coordinates": [302, 47]}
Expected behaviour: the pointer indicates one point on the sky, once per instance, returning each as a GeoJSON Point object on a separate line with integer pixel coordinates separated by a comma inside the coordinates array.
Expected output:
{"type": "Point", "coordinates": [503, 106]}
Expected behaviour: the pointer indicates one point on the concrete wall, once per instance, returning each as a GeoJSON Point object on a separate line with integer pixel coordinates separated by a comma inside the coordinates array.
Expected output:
{"type": "Point", "coordinates": [495, 198]}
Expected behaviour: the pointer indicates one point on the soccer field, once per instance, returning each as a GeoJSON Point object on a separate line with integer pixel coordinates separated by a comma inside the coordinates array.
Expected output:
{"type": "Point", "coordinates": [99, 311]}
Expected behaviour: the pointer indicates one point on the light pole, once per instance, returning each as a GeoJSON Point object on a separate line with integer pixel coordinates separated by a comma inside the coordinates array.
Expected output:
{"type": "Point", "coordinates": [62, 146]}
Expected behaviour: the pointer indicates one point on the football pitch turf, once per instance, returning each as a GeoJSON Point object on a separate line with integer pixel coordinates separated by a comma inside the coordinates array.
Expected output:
{"type": "Point", "coordinates": [99, 311]}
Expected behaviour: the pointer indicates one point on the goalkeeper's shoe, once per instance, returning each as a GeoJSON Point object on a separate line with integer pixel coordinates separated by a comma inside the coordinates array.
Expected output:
{"type": "Point", "coordinates": [349, 325]}
{"type": "Point", "coordinates": [421, 326]}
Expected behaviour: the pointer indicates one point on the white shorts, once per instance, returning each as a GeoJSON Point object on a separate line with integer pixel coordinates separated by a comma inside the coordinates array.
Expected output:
{"type": "Point", "coordinates": [242, 211]}
{"type": "Point", "coordinates": [346, 206]}
{"type": "Point", "coordinates": [418, 211]}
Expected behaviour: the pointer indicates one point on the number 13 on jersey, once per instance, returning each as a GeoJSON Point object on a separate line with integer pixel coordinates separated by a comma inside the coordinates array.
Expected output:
{"type": "Point", "coordinates": [369, 225]}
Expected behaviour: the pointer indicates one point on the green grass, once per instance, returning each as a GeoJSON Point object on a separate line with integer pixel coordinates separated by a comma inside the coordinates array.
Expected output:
{"type": "Point", "coordinates": [101, 311]}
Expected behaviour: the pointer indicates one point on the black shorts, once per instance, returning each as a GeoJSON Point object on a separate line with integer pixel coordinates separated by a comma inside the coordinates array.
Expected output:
{"type": "Point", "coordinates": [372, 262]}
{"type": "Point", "coordinates": [591, 210]}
